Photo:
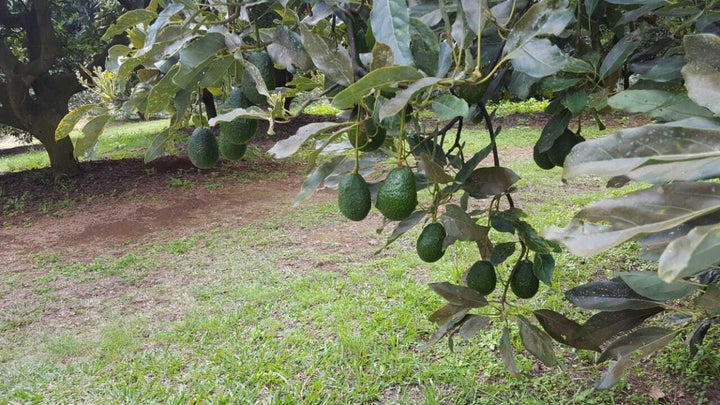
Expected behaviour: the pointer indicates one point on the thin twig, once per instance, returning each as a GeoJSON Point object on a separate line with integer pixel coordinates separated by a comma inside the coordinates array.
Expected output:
{"type": "Point", "coordinates": [496, 155]}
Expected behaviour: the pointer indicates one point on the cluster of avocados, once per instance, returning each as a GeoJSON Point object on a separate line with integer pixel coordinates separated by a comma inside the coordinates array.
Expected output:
{"type": "Point", "coordinates": [481, 277]}
{"type": "Point", "coordinates": [204, 148]}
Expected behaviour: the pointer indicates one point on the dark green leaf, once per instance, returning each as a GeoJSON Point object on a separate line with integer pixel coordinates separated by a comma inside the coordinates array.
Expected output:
{"type": "Point", "coordinates": [506, 353]}
{"type": "Point", "coordinates": [537, 342]}
{"type": "Point", "coordinates": [128, 20]}
{"type": "Point", "coordinates": [657, 104]}
{"type": "Point", "coordinates": [698, 335]}
{"type": "Point", "coordinates": [159, 145]}
{"type": "Point", "coordinates": [377, 79]}
{"type": "Point", "coordinates": [404, 226]}
{"type": "Point", "coordinates": [618, 55]}
{"type": "Point", "coordinates": [543, 267]}
{"type": "Point", "coordinates": [554, 128]}
{"type": "Point", "coordinates": [489, 181]}
{"type": "Point", "coordinates": [316, 177]}
{"type": "Point", "coordinates": [575, 101]}
{"type": "Point", "coordinates": [501, 252]}
{"type": "Point", "coordinates": [608, 296]}
{"type": "Point", "coordinates": [643, 341]}
{"type": "Point", "coordinates": [533, 240]}
{"type": "Point", "coordinates": [603, 326]}
{"type": "Point", "coordinates": [333, 61]}
{"type": "Point", "coordinates": [562, 329]}
{"type": "Point", "coordinates": [402, 98]}
{"type": "Point", "coordinates": [459, 295]}
{"type": "Point", "coordinates": [502, 222]}
{"type": "Point", "coordinates": [216, 72]}
{"type": "Point", "coordinates": [538, 58]}
{"type": "Point", "coordinates": [613, 374]}
{"type": "Point", "coordinates": [649, 285]}
{"type": "Point", "coordinates": [445, 328]}
{"type": "Point", "coordinates": [390, 22]}
{"type": "Point", "coordinates": [161, 94]}
{"type": "Point", "coordinates": [446, 313]}
{"type": "Point", "coordinates": [470, 165]}
{"type": "Point", "coordinates": [575, 65]}
{"type": "Point", "coordinates": [472, 325]}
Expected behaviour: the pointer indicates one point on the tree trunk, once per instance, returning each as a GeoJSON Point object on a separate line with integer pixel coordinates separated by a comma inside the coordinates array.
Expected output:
{"type": "Point", "coordinates": [62, 159]}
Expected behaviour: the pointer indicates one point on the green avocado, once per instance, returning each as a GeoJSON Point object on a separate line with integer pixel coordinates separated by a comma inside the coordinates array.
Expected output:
{"type": "Point", "coordinates": [397, 196]}
{"type": "Point", "coordinates": [541, 159]}
{"type": "Point", "coordinates": [430, 242]}
{"type": "Point", "coordinates": [229, 149]}
{"type": "Point", "coordinates": [562, 146]}
{"type": "Point", "coordinates": [202, 147]}
{"type": "Point", "coordinates": [239, 130]}
{"type": "Point", "coordinates": [367, 136]}
{"type": "Point", "coordinates": [262, 61]}
{"type": "Point", "coordinates": [523, 282]}
{"type": "Point", "coordinates": [481, 277]}
{"type": "Point", "coordinates": [354, 197]}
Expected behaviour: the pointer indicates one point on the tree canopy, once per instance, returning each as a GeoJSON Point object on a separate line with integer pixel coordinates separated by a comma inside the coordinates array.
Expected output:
{"type": "Point", "coordinates": [415, 71]}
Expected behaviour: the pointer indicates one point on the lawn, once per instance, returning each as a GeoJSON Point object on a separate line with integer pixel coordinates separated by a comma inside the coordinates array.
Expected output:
{"type": "Point", "coordinates": [235, 299]}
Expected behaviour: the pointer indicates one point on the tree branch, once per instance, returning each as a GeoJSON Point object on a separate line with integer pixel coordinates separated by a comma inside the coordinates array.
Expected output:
{"type": "Point", "coordinates": [43, 47]}
{"type": "Point", "coordinates": [7, 18]}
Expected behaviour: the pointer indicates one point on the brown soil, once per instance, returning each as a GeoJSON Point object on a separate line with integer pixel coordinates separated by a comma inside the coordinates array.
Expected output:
{"type": "Point", "coordinates": [115, 204]}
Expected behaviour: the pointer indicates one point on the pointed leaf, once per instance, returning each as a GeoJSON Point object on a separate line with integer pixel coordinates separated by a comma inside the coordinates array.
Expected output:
{"type": "Point", "coordinates": [287, 147]}
{"type": "Point", "coordinates": [538, 58]}
{"type": "Point", "coordinates": [446, 313]}
{"type": "Point", "coordinates": [501, 252]}
{"type": "Point", "coordinates": [159, 145]}
{"type": "Point", "coordinates": [397, 103]}
{"type": "Point", "coordinates": [543, 18]}
{"type": "Point", "coordinates": [433, 171]}
{"type": "Point", "coordinates": [459, 295]}
{"type": "Point", "coordinates": [613, 374]}
{"type": "Point", "coordinates": [253, 113]}
{"type": "Point", "coordinates": [445, 328]}
{"type": "Point", "coordinates": [91, 131]}
{"type": "Point", "coordinates": [543, 267]}
{"type": "Point", "coordinates": [390, 22]}
{"type": "Point", "coordinates": [710, 300]}
{"type": "Point", "coordinates": [657, 104]}
{"type": "Point", "coordinates": [561, 329]}
{"type": "Point", "coordinates": [605, 325]}
{"type": "Point", "coordinates": [316, 177]}
{"type": "Point", "coordinates": [128, 20]}
{"type": "Point", "coordinates": [553, 129]}
{"type": "Point", "coordinates": [536, 342]}
{"type": "Point", "coordinates": [697, 336]}
{"type": "Point", "coordinates": [648, 284]}
{"type": "Point", "coordinates": [506, 353]}
{"type": "Point", "coordinates": [162, 93]}
{"type": "Point", "coordinates": [702, 71]}
{"type": "Point", "coordinates": [68, 122]}
{"type": "Point", "coordinates": [460, 226]}
{"type": "Point", "coordinates": [476, 13]}
{"type": "Point", "coordinates": [377, 79]}
{"type": "Point", "coordinates": [216, 71]}
{"type": "Point", "coordinates": [643, 341]}
{"type": "Point", "coordinates": [404, 226]}
{"type": "Point", "coordinates": [608, 296]}
{"type": "Point", "coordinates": [618, 55]}
{"type": "Point", "coordinates": [635, 214]}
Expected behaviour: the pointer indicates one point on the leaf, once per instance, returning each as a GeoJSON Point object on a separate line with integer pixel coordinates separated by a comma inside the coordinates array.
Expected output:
{"type": "Point", "coordinates": [605, 325]}
{"type": "Point", "coordinates": [553, 129]}
{"type": "Point", "coordinates": [91, 132]}
{"type": "Point", "coordinates": [377, 79]}
{"type": "Point", "coordinates": [390, 22]}
{"type": "Point", "coordinates": [469, 166]}
{"type": "Point", "coordinates": [643, 341]}
{"type": "Point", "coordinates": [216, 71]}
{"type": "Point", "coordinates": [161, 93]}
{"type": "Point", "coordinates": [158, 146]}
{"type": "Point", "coordinates": [287, 50]}
{"type": "Point", "coordinates": [501, 252]}
{"type": "Point", "coordinates": [657, 104]}
{"type": "Point", "coordinates": [538, 58]}
{"type": "Point", "coordinates": [649, 285]}
{"type": "Point", "coordinates": [656, 153]}
{"type": "Point", "coordinates": [636, 214]}
{"type": "Point", "coordinates": [575, 101]}
{"type": "Point", "coordinates": [608, 296]}
{"type": "Point", "coordinates": [460, 226]}
{"type": "Point", "coordinates": [503, 221]}
{"type": "Point", "coordinates": [575, 65]}
{"type": "Point", "coordinates": [459, 295]}
{"type": "Point", "coordinates": [702, 70]}
{"type": "Point", "coordinates": [289, 146]}
{"type": "Point", "coordinates": [445, 328]}
{"type": "Point", "coordinates": [533, 240]}
{"type": "Point", "coordinates": [697, 336]}
{"type": "Point", "coordinates": [316, 177]}
{"type": "Point", "coordinates": [447, 107]}
{"type": "Point", "coordinates": [710, 300]}
{"type": "Point", "coordinates": [333, 61]}
{"type": "Point", "coordinates": [128, 20]}
{"type": "Point", "coordinates": [618, 55]}
{"type": "Point", "coordinates": [560, 328]}
{"type": "Point", "coordinates": [472, 325]}
{"type": "Point", "coordinates": [404, 226]}
{"type": "Point", "coordinates": [536, 342]}
{"type": "Point", "coordinates": [613, 374]}
{"type": "Point", "coordinates": [446, 313]}
{"type": "Point", "coordinates": [543, 18]}
{"type": "Point", "coordinates": [68, 122]}
{"type": "Point", "coordinates": [506, 353]}
{"type": "Point", "coordinates": [476, 13]}
{"type": "Point", "coordinates": [434, 172]}
{"type": "Point", "coordinates": [489, 181]}
{"type": "Point", "coordinates": [397, 103]}
{"type": "Point", "coordinates": [543, 267]}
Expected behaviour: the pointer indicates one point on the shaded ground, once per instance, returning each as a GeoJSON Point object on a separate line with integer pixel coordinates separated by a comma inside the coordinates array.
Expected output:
{"type": "Point", "coordinates": [116, 204]}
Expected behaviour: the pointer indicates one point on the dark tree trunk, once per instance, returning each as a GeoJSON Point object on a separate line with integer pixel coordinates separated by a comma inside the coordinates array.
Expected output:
{"type": "Point", "coordinates": [62, 159]}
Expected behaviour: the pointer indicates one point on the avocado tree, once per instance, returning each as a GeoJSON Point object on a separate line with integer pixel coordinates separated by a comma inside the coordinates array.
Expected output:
{"type": "Point", "coordinates": [43, 44]}
{"type": "Point", "coordinates": [408, 75]}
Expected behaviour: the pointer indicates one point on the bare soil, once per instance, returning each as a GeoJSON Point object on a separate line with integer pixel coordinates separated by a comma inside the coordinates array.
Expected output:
{"type": "Point", "coordinates": [115, 204]}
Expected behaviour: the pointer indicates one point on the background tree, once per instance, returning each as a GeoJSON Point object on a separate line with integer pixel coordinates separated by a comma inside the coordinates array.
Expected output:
{"type": "Point", "coordinates": [44, 43]}
{"type": "Point", "coordinates": [408, 74]}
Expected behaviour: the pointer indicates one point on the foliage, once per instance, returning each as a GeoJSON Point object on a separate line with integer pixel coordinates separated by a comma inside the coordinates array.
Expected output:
{"type": "Point", "coordinates": [391, 62]}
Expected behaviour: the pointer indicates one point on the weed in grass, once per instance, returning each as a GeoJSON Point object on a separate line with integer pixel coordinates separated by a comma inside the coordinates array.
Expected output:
{"type": "Point", "coordinates": [178, 182]}
{"type": "Point", "coordinates": [14, 206]}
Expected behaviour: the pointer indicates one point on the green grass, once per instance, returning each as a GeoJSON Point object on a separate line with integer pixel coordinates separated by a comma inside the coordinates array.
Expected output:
{"type": "Point", "coordinates": [274, 312]}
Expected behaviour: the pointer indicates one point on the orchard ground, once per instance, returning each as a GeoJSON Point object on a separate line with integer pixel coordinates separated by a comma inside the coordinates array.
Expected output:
{"type": "Point", "coordinates": [161, 282]}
